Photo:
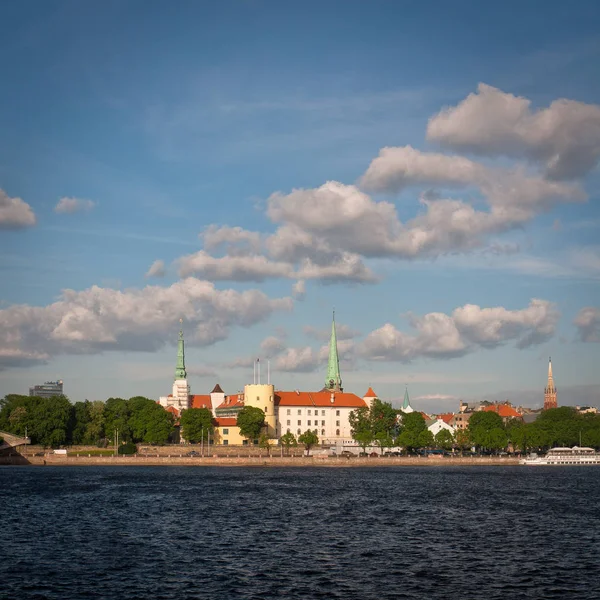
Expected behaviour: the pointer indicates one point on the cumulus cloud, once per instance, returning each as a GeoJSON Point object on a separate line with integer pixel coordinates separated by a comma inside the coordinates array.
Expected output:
{"type": "Point", "coordinates": [587, 322]}
{"type": "Point", "coordinates": [298, 360]}
{"type": "Point", "coordinates": [235, 240]}
{"type": "Point", "coordinates": [157, 269]}
{"type": "Point", "coordinates": [271, 346]}
{"type": "Point", "coordinates": [299, 289]}
{"type": "Point", "coordinates": [73, 205]}
{"type": "Point", "coordinates": [342, 332]}
{"type": "Point", "coordinates": [102, 319]}
{"type": "Point", "coordinates": [15, 213]}
{"type": "Point", "coordinates": [468, 328]}
{"type": "Point", "coordinates": [564, 137]}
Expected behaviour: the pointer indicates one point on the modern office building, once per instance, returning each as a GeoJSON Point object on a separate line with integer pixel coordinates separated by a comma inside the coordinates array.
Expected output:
{"type": "Point", "coordinates": [48, 389]}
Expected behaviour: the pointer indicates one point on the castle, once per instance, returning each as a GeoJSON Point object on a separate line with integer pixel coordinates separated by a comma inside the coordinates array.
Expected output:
{"type": "Point", "coordinates": [326, 411]}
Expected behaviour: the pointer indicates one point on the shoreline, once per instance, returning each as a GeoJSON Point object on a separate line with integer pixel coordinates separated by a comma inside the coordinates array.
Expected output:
{"type": "Point", "coordinates": [253, 461]}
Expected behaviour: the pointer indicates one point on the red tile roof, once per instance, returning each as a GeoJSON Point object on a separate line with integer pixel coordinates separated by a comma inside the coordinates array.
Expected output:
{"type": "Point", "coordinates": [226, 421]}
{"type": "Point", "coordinates": [200, 401]}
{"type": "Point", "coordinates": [340, 399]}
{"type": "Point", "coordinates": [446, 417]}
{"type": "Point", "coordinates": [172, 410]}
{"type": "Point", "coordinates": [370, 393]}
{"type": "Point", "coordinates": [233, 401]}
{"type": "Point", "coordinates": [503, 410]}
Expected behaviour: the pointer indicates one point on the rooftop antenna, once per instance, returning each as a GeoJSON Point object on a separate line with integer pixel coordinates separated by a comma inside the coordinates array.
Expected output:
{"type": "Point", "coordinates": [258, 363]}
{"type": "Point", "coordinates": [254, 372]}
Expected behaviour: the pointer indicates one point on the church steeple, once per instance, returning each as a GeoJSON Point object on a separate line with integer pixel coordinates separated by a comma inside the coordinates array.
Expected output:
{"type": "Point", "coordinates": [180, 372]}
{"type": "Point", "coordinates": [550, 399]}
{"type": "Point", "coordinates": [333, 380]}
{"type": "Point", "coordinates": [406, 407]}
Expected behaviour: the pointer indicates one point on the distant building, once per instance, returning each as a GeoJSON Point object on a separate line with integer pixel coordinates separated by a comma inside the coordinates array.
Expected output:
{"type": "Point", "coordinates": [550, 399]}
{"type": "Point", "coordinates": [48, 389]}
{"type": "Point", "coordinates": [406, 407]}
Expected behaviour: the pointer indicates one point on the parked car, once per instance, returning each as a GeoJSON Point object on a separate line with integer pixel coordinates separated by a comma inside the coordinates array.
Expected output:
{"type": "Point", "coordinates": [373, 455]}
{"type": "Point", "coordinates": [193, 453]}
{"type": "Point", "coordinates": [392, 453]}
{"type": "Point", "coordinates": [347, 453]}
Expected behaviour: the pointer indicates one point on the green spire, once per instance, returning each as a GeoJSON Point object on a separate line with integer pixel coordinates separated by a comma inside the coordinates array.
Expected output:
{"type": "Point", "coordinates": [406, 403]}
{"type": "Point", "coordinates": [180, 368]}
{"type": "Point", "coordinates": [333, 380]}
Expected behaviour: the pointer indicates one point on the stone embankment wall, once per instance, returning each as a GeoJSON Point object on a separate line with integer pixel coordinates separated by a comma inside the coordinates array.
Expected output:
{"type": "Point", "coordinates": [256, 461]}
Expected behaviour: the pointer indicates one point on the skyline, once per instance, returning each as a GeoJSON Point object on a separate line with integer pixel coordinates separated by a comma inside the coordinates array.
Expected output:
{"type": "Point", "coordinates": [247, 167]}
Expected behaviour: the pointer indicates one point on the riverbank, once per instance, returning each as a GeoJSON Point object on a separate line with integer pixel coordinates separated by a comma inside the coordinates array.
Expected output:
{"type": "Point", "coordinates": [256, 461]}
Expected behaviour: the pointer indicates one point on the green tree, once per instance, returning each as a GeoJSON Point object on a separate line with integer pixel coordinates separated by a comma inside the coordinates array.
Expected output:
{"type": "Point", "coordinates": [412, 426]}
{"type": "Point", "coordinates": [481, 424]}
{"type": "Point", "coordinates": [148, 421]}
{"type": "Point", "coordinates": [309, 439]}
{"type": "Point", "coordinates": [196, 424]}
{"type": "Point", "coordinates": [443, 439]}
{"type": "Point", "coordinates": [360, 427]}
{"type": "Point", "coordinates": [95, 428]}
{"type": "Point", "coordinates": [384, 440]}
{"type": "Point", "coordinates": [383, 418]}
{"type": "Point", "coordinates": [116, 416]}
{"type": "Point", "coordinates": [462, 438]}
{"type": "Point", "coordinates": [49, 420]}
{"type": "Point", "coordinates": [264, 443]}
{"type": "Point", "coordinates": [287, 440]}
{"type": "Point", "coordinates": [425, 439]}
{"type": "Point", "coordinates": [80, 420]}
{"type": "Point", "coordinates": [251, 420]}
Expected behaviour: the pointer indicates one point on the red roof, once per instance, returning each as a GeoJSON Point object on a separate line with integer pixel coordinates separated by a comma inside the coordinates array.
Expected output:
{"type": "Point", "coordinates": [370, 393]}
{"type": "Point", "coordinates": [172, 410]}
{"type": "Point", "coordinates": [226, 421]}
{"type": "Point", "coordinates": [340, 399]}
{"type": "Point", "coordinates": [503, 410]}
{"type": "Point", "coordinates": [201, 401]}
{"type": "Point", "coordinates": [233, 401]}
{"type": "Point", "coordinates": [446, 417]}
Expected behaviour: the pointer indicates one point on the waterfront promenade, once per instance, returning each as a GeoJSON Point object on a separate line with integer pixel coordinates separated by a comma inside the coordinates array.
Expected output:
{"type": "Point", "coordinates": [253, 461]}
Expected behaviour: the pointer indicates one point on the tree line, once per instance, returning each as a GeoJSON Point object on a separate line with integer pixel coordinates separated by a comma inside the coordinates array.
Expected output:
{"type": "Point", "coordinates": [55, 421]}
{"type": "Point", "coordinates": [383, 426]}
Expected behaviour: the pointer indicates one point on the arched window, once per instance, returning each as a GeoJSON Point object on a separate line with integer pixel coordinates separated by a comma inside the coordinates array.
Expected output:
{"type": "Point", "coordinates": [288, 430]}
{"type": "Point", "coordinates": [337, 432]}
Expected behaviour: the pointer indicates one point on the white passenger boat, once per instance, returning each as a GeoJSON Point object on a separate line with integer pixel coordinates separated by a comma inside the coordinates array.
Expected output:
{"type": "Point", "coordinates": [564, 456]}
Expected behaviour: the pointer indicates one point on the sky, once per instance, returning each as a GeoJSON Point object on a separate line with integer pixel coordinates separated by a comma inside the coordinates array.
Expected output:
{"type": "Point", "coordinates": [427, 169]}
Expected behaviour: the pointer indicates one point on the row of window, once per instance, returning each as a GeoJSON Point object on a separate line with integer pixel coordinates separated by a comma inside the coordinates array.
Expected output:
{"type": "Point", "coordinates": [289, 412]}
{"type": "Point", "coordinates": [308, 423]}
{"type": "Point", "coordinates": [299, 431]}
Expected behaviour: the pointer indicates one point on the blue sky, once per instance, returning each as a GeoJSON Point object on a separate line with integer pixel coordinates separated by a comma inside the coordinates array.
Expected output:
{"type": "Point", "coordinates": [205, 137]}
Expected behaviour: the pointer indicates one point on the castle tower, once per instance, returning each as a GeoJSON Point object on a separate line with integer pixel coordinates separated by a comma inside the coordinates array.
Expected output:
{"type": "Point", "coordinates": [181, 389]}
{"type": "Point", "coordinates": [263, 396]}
{"type": "Point", "coordinates": [369, 397]}
{"type": "Point", "coordinates": [550, 399]}
{"type": "Point", "coordinates": [333, 381]}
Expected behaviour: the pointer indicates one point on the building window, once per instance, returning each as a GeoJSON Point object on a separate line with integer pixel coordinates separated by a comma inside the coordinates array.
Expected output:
{"type": "Point", "coordinates": [323, 423]}
{"type": "Point", "coordinates": [225, 431]}
{"type": "Point", "coordinates": [244, 442]}
{"type": "Point", "coordinates": [337, 423]}
{"type": "Point", "coordinates": [322, 413]}
{"type": "Point", "coordinates": [265, 410]}
{"type": "Point", "coordinates": [289, 411]}
{"type": "Point", "coordinates": [337, 432]}
{"type": "Point", "coordinates": [309, 411]}
{"type": "Point", "coordinates": [322, 432]}
{"type": "Point", "coordinates": [289, 422]}
{"type": "Point", "coordinates": [308, 423]}
{"type": "Point", "coordinates": [299, 411]}
{"type": "Point", "coordinates": [299, 431]}
{"type": "Point", "coordinates": [299, 422]}
{"type": "Point", "coordinates": [337, 413]}
{"type": "Point", "coordinates": [225, 442]}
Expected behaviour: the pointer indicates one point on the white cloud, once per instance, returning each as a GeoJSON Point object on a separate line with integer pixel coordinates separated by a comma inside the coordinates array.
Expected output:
{"type": "Point", "coordinates": [299, 289]}
{"type": "Point", "coordinates": [101, 319]}
{"type": "Point", "coordinates": [439, 335]}
{"type": "Point", "coordinates": [157, 269]}
{"type": "Point", "coordinates": [565, 136]}
{"type": "Point", "coordinates": [342, 332]}
{"type": "Point", "coordinates": [73, 205]}
{"type": "Point", "coordinates": [15, 213]}
{"type": "Point", "coordinates": [235, 240]}
{"type": "Point", "coordinates": [271, 346]}
{"type": "Point", "coordinates": [298, 360]}
{"type": "Point", "coordinates": [588, 324]}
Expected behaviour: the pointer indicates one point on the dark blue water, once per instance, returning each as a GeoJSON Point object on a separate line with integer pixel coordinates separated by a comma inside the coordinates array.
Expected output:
{"type": "Point", "coordinates": [178, 533]}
